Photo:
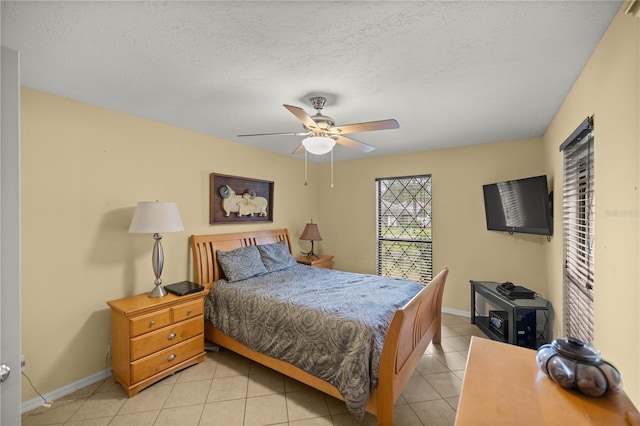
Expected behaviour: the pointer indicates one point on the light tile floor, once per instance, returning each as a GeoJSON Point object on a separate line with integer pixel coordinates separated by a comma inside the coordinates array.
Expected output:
{"type": "Point", "coordinates": [228, 389]}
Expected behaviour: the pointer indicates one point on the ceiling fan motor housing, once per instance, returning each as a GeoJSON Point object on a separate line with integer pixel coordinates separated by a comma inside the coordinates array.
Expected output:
{"type": "Point", "coordinates": [324, 122]}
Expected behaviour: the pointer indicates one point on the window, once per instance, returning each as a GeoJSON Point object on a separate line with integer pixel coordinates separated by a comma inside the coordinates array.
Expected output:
{"type": "Point", "coordinates": [578, 232]}
{"type": "Point", "coordinates": [404, 228]}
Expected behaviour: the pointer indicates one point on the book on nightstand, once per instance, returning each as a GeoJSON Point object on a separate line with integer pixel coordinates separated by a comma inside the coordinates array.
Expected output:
{"type": "Point", "coordinates": [183, 288]}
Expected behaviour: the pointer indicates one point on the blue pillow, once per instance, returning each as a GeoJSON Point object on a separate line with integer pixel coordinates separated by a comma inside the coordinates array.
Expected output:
{"type": "Point", "coordinates": [276, 256]}
{"type": "Point", "coordinates": [242, 263]}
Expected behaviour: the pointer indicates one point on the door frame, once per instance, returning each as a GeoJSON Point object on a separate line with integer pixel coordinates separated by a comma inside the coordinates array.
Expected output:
{"type": "Point", "coordinates": [10, 345]}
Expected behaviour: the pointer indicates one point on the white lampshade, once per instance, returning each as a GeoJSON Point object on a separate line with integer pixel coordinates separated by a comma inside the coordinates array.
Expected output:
{"type": "Point", "coordinates": [318, 145]}
{"type": "Point", "coordinates": [153, 217]}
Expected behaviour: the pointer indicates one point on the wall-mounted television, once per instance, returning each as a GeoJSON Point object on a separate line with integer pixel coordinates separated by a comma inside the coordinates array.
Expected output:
{"type": "Point", "coordinates": [522, 205]}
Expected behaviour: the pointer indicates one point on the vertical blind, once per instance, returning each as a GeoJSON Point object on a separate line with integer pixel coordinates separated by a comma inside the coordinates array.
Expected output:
{"type": "Point", "coordinates": [578, 232]}
{"type": "Point", "coordinates": [404, 242]}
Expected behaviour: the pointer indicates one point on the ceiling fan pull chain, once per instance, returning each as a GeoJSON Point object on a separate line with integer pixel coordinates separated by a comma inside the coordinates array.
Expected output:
{"type": "Point", "coordinates": [305, 167]}
{"type": "Point", "coordinates": [332, 168]}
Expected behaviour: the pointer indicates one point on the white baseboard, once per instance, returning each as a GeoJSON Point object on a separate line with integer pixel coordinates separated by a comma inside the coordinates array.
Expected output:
{"type": "Point", "coordinates": [65, 390]}
{"type": "Point", "coordinates": [456, 312]}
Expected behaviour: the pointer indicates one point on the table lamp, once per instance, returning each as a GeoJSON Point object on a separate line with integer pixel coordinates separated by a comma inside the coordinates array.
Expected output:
{"type": "Point", "coordinates": [311, 233]}
{"type": "Point", "coordinates": [153, 217]}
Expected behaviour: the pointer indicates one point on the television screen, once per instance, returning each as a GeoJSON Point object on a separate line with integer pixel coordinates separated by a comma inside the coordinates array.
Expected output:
{"type": "Point", "coordinates": [519, 206]}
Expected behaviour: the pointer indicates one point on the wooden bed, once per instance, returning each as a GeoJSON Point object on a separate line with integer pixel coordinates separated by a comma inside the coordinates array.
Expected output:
{"type": "Point", "coordinates": [411, 330]}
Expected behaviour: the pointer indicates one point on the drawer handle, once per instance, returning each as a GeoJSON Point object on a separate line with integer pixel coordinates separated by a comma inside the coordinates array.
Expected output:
{"type": "Point", "coordinates": [152, 323]}
{"type": "Point", "coordinates": [189, 311]}
{"type": "Point", "coordinates": [171, 336]}
{"type": "Point", "coordinates": [171, 357]}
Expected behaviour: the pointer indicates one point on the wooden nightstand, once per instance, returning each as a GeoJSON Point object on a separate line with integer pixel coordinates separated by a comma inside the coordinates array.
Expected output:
{"type": "Point", "coordinates": [321, 261]}
{"type": "Point", "coordinates": [151, 338]}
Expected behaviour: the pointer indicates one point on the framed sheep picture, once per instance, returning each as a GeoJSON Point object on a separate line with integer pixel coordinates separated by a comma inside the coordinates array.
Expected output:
{"type": "Point", "coordinates": [235, 199]}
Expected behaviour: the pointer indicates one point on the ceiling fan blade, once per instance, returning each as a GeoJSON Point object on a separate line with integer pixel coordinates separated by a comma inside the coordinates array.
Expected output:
{"type": "Point", "coordinates": [366, 127]}
{"type": "Point", "coordinates": [302, 116]}
{"type": "Point", "coordinates": [352, 143]}
{"type": "Point", "coordinates": [278, 134]}
{"type": "Point", "coordinates": [299, 150]}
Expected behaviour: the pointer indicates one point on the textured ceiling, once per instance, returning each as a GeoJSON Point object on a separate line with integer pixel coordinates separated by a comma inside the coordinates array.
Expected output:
{"type": "Point", "coordinates": [451, 73]}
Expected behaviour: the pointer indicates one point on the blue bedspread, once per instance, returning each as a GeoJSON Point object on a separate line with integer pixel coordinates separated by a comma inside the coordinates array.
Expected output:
{"type": "Point", "coordinates": [329, 323]}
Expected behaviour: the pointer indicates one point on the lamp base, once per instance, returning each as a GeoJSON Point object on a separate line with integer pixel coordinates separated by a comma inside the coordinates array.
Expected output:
{"type": "Point", "coordinates": [159, 291]}
{"type": "Point", "coordinates": [157, 259]}
{"type": "Point", "coordinates": [310, 255]}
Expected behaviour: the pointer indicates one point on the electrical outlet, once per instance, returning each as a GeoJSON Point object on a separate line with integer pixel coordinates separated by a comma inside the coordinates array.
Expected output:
{"type": "Point", "coordinates": [23, 363]}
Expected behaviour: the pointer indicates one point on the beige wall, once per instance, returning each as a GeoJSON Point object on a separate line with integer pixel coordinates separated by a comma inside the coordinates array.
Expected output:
{"type": "Point", "coordinates": [84, 169]}
{"type": "Point", "coordinates": [608, 89]}
{"type": "Point", "coordinates": [460, 238]}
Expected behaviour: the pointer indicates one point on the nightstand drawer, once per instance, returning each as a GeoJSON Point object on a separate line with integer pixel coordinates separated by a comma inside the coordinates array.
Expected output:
{"type": "Point", "coordinates": [160, 361]}
{"type": "Point", "coordinates": [325, 265]}
{"type": "Point", "coordinates": [152, 342]}
{"type": "Point", "coordinates": [320, 261]}
{"type": "Point", "coordinates": [154, 321]}
{"type": "Point", "coordinates": [188, 310]}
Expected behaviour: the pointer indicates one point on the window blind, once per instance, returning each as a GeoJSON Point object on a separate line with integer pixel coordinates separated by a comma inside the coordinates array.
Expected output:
{"type": "Point", "coordinates": [578, 232]}
{"type": "Point", "coordinates": [404, 243]}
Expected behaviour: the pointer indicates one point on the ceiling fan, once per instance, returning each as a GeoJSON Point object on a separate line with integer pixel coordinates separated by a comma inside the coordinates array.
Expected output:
{"type": "Point", "coordinates": [322, 133]}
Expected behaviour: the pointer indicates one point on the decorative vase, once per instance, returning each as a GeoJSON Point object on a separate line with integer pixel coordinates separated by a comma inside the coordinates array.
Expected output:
{"type": "Point", "coordinates": [573, 364]}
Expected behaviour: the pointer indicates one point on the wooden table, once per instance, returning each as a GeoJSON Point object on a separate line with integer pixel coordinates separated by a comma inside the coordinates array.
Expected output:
{"type": "Point", "coordinates": [504, 386]}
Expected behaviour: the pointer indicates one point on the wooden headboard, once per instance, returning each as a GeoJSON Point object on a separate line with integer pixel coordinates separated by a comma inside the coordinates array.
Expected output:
{"type": "Point", "coordinates": [205, 260]}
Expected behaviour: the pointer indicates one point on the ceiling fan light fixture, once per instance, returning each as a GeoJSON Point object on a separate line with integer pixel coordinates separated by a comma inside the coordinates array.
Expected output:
{"type": "Point", "coordinates": [318, 145]}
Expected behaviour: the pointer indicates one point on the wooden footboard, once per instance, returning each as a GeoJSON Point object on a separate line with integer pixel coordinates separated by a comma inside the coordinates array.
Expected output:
{"type": "Point", "coordinates": [411, 330]}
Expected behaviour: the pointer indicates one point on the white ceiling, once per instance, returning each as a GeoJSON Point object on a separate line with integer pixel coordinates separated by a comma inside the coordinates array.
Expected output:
{"type": "Point", "coordinates": [452, 73]}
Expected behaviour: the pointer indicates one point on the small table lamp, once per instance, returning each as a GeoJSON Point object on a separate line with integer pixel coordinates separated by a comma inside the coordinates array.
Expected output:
{"type": "Point", "coordinates": [311, 233]}
{"type": "Point", "coordinates": [153, 217]}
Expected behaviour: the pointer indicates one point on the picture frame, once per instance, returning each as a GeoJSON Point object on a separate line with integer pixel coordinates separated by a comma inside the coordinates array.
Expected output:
{"type": "Point", "coordinates": [235, 199]}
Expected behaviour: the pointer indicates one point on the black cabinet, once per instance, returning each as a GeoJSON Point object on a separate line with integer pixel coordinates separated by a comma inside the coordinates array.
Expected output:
{"type": "Point", "coordinates": [522, 322]}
